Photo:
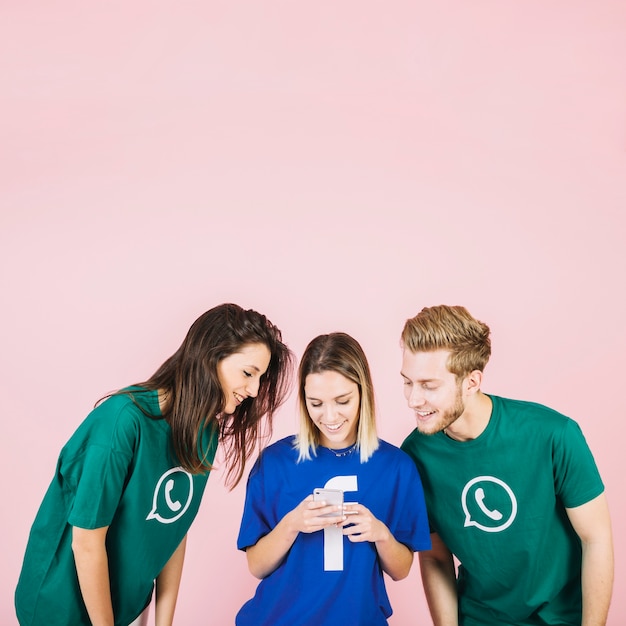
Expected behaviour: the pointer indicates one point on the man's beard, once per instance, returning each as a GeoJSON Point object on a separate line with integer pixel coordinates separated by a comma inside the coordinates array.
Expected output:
{"type": "Point", "coordinates": [448, 417]}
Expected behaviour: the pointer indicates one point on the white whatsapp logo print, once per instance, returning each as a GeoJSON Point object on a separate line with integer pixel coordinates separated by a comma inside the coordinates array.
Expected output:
{"type": "Point", "coordinates": [494, 518]}
{"type": "Point", "coordinates": [175, 485]}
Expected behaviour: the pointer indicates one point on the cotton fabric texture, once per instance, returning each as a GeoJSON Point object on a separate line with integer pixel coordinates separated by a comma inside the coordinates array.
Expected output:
{"type": "Point", "coordinates": [498, 503]}
{"type": "Point", "coordinates": [117, 470]}
{"type": "Point", "coordinates": [300, 592]}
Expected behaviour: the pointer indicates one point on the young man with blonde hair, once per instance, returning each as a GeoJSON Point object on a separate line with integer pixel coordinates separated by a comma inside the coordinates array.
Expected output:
{"type": "Point", "coordinates": [512, 490]}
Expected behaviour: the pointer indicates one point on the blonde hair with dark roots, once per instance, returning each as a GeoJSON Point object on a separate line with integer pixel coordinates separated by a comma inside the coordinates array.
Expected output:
{"type": "Point", "coordinates": [450, 328]}
{"type": "Point", "coordinates": [337, 352]}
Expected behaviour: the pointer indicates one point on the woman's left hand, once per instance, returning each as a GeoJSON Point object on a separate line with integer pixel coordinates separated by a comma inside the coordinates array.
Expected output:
{"type": "Point", "coordinates": [361, 525]}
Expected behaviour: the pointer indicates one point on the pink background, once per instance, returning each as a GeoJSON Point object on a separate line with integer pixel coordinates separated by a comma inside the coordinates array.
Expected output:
{"type": "Point", "coordinates": [335, 165]}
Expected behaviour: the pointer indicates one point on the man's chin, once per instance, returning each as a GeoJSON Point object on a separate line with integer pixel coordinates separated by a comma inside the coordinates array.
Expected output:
{"type": "Point", "coordinates": [429, 429]}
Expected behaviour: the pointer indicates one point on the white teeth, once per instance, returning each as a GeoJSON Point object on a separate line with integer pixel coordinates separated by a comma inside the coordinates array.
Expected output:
{"type": "Point", "coordinates": [238, 397]}
{"type": "Point", "coordinates": [334, 426]}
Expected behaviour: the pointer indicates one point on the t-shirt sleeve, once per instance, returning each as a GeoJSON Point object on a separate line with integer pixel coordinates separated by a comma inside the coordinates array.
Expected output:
{"type": "Point", "coordinates": [576, 476]}
{"type": "Point", "coordinates": [409, 447]}
{"type": "Point", "coordinates": [94, 475]}
{"type": "Point", "coordinates": [408, 521]}
{"type": "Point", "coordinates": [255, 522]}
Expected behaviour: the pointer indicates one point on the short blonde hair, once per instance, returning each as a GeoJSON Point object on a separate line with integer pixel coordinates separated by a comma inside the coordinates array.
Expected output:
{"type": "Point", "coordinates": [337, 352]}
{"type": "Point", "coordinates": [450, 328]}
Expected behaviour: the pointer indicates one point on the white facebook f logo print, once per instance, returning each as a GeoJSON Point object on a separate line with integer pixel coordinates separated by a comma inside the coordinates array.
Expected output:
{"type": "Point", "coordinates": [333, 535]}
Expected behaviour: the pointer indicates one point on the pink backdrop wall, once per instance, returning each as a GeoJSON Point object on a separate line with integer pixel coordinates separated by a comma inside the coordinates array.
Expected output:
{"type": "Point", "coordinates": [335, 165]}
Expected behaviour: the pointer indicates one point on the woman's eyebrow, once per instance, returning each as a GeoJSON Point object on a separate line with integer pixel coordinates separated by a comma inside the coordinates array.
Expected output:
{"type": "Point", "coordinates": [341, 395]}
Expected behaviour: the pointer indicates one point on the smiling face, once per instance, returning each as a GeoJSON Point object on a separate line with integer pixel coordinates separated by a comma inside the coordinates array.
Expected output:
{"type": "Point", "coordinates": [431, 390]}
{"type": "Point", "coordinates": [240, 374]}
{"type": "Point", "coordinates": [332, 401]}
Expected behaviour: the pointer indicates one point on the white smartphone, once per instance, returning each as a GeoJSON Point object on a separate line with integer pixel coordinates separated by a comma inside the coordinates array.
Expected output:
{"type": "Point", "coordinates": [331, 497]}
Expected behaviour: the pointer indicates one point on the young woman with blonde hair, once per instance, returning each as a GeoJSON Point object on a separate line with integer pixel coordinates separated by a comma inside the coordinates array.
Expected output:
{"type": "Point", "coordinates": [322, 563]}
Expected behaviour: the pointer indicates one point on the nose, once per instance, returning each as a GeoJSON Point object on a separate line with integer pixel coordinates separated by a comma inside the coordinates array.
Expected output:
{"type": "Point", "coordinates": [416, 397]}
{"type": "Point", "coordinates": [330, 413]}
{"type": "Point", "coordinates": [252, 388]}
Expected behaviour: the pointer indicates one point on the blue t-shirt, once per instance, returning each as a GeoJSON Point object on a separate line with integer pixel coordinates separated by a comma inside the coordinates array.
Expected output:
{"type": "Point", "coordinates": [304, 589]}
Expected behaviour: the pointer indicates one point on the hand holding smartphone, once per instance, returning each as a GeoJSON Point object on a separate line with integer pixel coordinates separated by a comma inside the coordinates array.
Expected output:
{"type": "Point", "coordinates": [332, 497]}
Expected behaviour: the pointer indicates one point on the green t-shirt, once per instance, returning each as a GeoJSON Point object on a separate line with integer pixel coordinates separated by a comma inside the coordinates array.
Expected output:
{"type": "Point", "coordinates": [117, 470]}
{"type": "Point", "coordinates": [497, 502]}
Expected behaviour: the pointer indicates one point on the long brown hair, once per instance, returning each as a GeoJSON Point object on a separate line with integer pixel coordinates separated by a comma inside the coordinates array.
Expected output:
{"type": "Point", "coordinates": [194, 398]}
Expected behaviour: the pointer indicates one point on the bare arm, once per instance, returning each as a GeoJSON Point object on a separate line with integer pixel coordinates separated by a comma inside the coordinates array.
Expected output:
{"type": "Point", "coordinates": [167, 585]}
{"type": "Point", "coordinates": [92, 568]}
{"type": "Point", "coordinates": [439, 580]}
{"type": "Point", "coordinates": [269, 551]}
{"type": "Point", "coordinates": [395, 558]}
{"type": "Point", "coordinates": [592, 523]}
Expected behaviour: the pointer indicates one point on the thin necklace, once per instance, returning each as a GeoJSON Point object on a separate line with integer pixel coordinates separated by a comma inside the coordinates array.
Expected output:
{"type": "Point", "coordinates": [345, 452]}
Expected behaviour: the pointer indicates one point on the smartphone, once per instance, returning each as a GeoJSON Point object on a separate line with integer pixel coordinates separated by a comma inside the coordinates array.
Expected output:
{"type": "Point", "coordinates": [331, 497]}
